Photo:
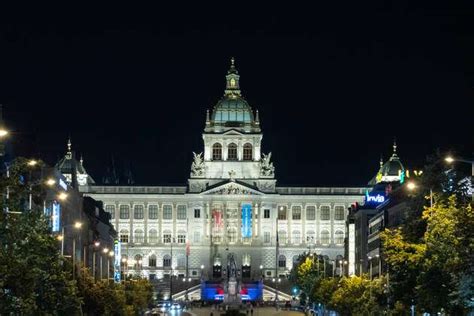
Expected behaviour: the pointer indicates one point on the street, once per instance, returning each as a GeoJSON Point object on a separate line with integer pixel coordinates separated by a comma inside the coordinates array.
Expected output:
{"type": "Point", "coordinates": [261, 311]}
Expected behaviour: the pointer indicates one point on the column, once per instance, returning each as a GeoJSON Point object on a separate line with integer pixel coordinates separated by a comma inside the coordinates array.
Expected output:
{"type": "Point", "coordinates": [303, 224]}
{"type": "Point", "coordinates": [160, 223]}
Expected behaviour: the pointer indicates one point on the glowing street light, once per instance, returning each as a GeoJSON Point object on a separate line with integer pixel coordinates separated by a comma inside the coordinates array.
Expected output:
{"type": "Point", "coordinates": [77, 225]}
{"type": "Point", "coordinates": [3, 132]}
{"type": "Point", "coordinates": [51, 182]}
{"type": "Point", "coordinates": [411, 186]}
{"type": "Point", "coordinates": [62, 196]}
{"type": "Point", "coordinates": [32, 163]}
{"type": "Point", "coordinates": [449, 159]}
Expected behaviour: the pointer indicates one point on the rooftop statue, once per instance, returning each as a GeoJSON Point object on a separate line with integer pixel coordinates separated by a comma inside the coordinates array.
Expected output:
{"type": "Point", "coordinates": [197, 167]}
{"type": "Point", "coordinates": [266, 166]}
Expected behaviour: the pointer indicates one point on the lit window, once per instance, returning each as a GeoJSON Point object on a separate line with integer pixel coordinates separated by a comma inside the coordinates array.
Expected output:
{"type": "Point", "coordinates": [248, 152]}
{"type": "Point", "coordinates": [167, 212]}
{"type": "Point", "coordinates": [124, 212]}
{"type": "Point", "coordinates": [111, 210]}
{"type": "Point", "coordinates": [181, 212]}
{"type": "Point", "coordinates": [166, 237]}
{"type": "Point", "coordinates": [153, 212]}
{"type": "Point", "coordinates": [310, 237]}
{"type": "Point", "coordinates": [217, 151]}
{"type": "Point", "coordinates": [232, 152]}
{"type": "Point", "coordinates": [296, 212]}
{"type": "Point", "coordinates": [282, 212]}
{"type": "Point", "coordinates": [325, 213]}
{"type": "Point", "coordinates": [124, 236]}
{"type": "Point", "coordinates": [138, 212]}
{"type": "Point", "coordinates": [311, 213]}
{"type": "Point", "coordinates": [339, 213]}
{"type": "Point", "coordinates": [296, 238]}
{"type": "Point", "coordinates": [181, 237]}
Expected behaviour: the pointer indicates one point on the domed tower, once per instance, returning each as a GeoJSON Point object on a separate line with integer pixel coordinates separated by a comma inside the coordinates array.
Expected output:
{"type": "Point", "coordinates": [232, 143]}
{"type": "Point", "coordinates": [390, 171]}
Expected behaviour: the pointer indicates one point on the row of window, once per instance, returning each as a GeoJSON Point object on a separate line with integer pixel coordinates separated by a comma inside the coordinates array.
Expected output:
{"type": "Point", "coordinates": [138, 261]}
{"type": "Point", "coordinates": [139, 236]}
{"type": "Point", "coordinates": [181, 212]}
{"type": "Point", "coordinates": [232, 152]}
{"type": "Point", "coordinates": [296, 238]}
{"type": "Point", "coordinates": [153, 213]}
{"type": "Point", "coordinates": [324, 213]}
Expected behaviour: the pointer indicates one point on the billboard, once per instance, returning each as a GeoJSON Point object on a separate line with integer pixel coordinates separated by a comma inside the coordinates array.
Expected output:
{"type": "Point", "coordinates": [246, 220]}
{"type": "Point", "coordinates": [56, 217]}
{"type": "Point", "coordinates": [117, 258]}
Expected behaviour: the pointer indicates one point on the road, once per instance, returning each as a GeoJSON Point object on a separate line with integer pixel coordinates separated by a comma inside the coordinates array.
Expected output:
{"type": "Point", "coordinates": [261, 311]}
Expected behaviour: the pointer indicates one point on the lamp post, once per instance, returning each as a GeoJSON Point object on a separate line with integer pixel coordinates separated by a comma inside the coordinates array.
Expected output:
{"type": "Point", "coordinates": [78, 226]}
{"type": "Point", "coordinates": [110, 254]}
{"type": "Point", "coordinates": [370, 262]}
{"type": "Point", "coordinates": [105, 251]}
{"type": "Point", "coordinates": [96, 245]}
{"type": "Point", "coordinates": [380, 264]}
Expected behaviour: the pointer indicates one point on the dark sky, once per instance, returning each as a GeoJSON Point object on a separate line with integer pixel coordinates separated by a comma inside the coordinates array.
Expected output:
{"type": "Point", "coordinates": [334, 85]}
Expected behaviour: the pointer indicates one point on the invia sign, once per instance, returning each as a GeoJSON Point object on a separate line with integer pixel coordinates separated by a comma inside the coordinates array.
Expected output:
{"type": "Point", "coordinates": [374, 197]}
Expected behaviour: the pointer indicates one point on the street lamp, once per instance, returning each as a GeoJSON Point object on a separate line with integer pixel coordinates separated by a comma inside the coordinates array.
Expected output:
{"type": "Point", "coordinates": [77, 225]}
{"type": "Point", "coordinates": [96, 245]}
{"type": "Point", "coordinates": [370, 261]}
{"type": "Point", "coordinates": [32, 163]}
{"type": "Point", "coordinates": [50, 182]}
{"type": "Point", "coordinates": [411, 185]}
{"type": "Point", "coordinates": [380, 264]}
{"type": "Point", "coordinates": [3, 132]}
{"type": "Point", "coordinates": [111, 254]}
{"type": "Point", "coordinates": [62, 196]}
{"type": "Point", "coordinates": [105, 251]}
{"type": "Point", "coordinates": [451, 159]}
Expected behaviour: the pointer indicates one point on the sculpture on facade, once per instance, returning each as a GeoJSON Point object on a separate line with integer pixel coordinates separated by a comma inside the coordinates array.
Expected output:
{"type": "Point", "coordinates": [197, 167]}
{"type": "Point", "coordinates": [266, 166]}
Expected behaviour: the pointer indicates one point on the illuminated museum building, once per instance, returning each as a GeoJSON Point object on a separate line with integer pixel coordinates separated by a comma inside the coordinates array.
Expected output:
{"type": "Point", "coordinates": [232, 204]}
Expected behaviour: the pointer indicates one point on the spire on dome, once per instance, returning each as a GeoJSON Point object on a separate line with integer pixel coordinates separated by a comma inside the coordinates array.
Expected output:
{"type": "Point", "coordinates": [69, 150]}
{"type": "Point", "coordinates": [257, 117]}
{"type": "Point", "coordinates": [381, 160]}
{"type": "Point", "coordinates": [394, 147]}
{"type": "Point", "coordinates": [81, 160]}
{"type": "Point", "coordinates": [232, 88]}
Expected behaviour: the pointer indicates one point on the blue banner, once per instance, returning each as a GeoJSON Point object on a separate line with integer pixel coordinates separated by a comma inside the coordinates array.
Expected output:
{"type": "Point", "coordinates": [246, 220]}
{"type": "Point", "coordinates": [56, 217]}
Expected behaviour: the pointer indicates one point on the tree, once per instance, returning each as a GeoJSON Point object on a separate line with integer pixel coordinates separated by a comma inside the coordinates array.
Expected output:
{"type": "Point", "coordinates": [34, 278]}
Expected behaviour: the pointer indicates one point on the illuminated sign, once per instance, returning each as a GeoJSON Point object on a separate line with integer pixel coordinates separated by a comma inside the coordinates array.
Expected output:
{"type": "Point", "coordinates": [246, 221]}
{"type": "Point", "coordinates": [374, 197]}
{"type": "Point", "coordinates": [117, 258]}
{"type": "Point", "coordinates": [56, 217]}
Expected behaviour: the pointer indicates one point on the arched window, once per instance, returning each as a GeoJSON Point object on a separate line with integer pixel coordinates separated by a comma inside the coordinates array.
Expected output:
{"type": "Point", "coordinates": [167, 261]}
{"type": "Point", "coordinates": [295, 260]}
{"type": "Point", "coordinates": [339, 213]}
{"type": "Point", "coordinates": [152, 236]}
{"type": "Point", "coordinates": [138, 262]}
{"type": "Point", "coordinates": [310, 237]}
{"type": "Point", "coordinates": [282, 213]}
{"type": "Point", "coordinates": [124, 236]}
{"type": "Point", "coordinates": [232, 152]}
{"type": "Point", "coordinates": [296, 237]}
{"type": "Point", "coordinates": [325, 237]}
{"type": "Point", "coordinates": [339, 237]}
{"type": "Point", "coordinates": [152, 261]}
{"type": "Point", "coordinates": [281, 261]}
{"type": "Point", "coordinates": [217, 151]}
{"type": "Point", "coordinates": [248, 152]}
{"type": "Point", "coordinates": [325, 212]}
{"type": "Point", "coordinates": [282, 237]}
{"type": "Point", "coordinates": [232, 235]}
{"type": "Point", "coordinates": [124, 212]}
{"type": "Point", "coordinates": [138, 236]}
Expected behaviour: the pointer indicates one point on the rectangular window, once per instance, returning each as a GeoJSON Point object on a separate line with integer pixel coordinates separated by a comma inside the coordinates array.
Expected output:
{"type": "Point", "coordinates": [311, 213]}
{"type": "Point", "coordinates": [124, 212]}
{"type": "Point", "coordinates": [181, 212]}
{"type": "Point", "coordinates": [325, 212]}
{"type": "Point", "coordinates": [124, 238]}
{"type": "Point", "coordinates": [153, 212]}
{"type": "Point", "coordinates": [282, 212]}
{"type": "Point", "coordinates": [266, 213]}
{"type": "Point", "coordinates": [266, 237]}
{"type": "Point", "coordinates": [296, 212]}
{"type": "Point", "coordinates": [197, 213]}
{"type": "Point", "coordinates": [181, 239]}
{"type": "Point", "coordinates": [166, 238]}
{"type": "Point", "coordinates": [111, 210]}
{"type": "Point", "coordinates": [167, 212]}
{"type": "Point", "coordinates": [339, 213]}
{"type": "Point", "coordinates": [138, 212]}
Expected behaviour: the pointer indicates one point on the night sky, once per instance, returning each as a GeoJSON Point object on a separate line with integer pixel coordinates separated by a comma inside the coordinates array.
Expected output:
{"type": "Point", "coordinates": [333, 85]}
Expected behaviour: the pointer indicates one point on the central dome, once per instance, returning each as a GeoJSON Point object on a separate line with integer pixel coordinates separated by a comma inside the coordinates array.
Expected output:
{"type": "Point", "coordinates": [232, 109]}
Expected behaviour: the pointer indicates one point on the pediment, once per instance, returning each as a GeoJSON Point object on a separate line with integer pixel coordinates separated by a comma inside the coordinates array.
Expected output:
{"type": "Point", "coordinates": [232, 188]}
{"type": "Point", "coordinates": [233, 132]}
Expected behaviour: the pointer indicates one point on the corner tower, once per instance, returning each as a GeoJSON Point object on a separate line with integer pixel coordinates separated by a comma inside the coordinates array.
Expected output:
{"type": "Point", "coordinates": [232, 144]}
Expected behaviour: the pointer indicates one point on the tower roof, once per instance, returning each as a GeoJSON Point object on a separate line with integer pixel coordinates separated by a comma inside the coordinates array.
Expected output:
{"type": "Point", "coordinates": [68, 164]}
{"type": "Point", "coordinates": [390, 171]}
{"type": "Point", "coordinates": [232, 111]}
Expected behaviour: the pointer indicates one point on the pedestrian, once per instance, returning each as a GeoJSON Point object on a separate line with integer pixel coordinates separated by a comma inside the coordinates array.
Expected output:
{"type": "Point", "coordinates": [247, 311]}
{"type": "Point", "coordinates": [251, 312]}
{"type": "Point", "coordinates": [211, 314]}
